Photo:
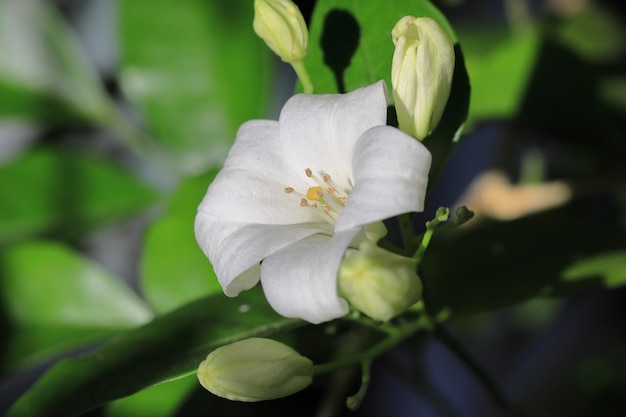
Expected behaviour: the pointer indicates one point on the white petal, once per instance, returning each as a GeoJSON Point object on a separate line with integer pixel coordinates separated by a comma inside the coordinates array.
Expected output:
{"type": "Point", "coordinates": [250, 187]}
{"type": "Point", "coordinates": [319, 131]}
{"type": "Point", "coordinates": [235, 249]}
{"type": "Point", "coordinates": [301, 280]}
{"type": "Point", "coordinates": [390, 174]}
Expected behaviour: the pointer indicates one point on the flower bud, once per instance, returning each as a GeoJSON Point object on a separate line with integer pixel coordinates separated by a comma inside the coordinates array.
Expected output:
{"type": "Point", "coordinates": [281, 25]}
{"type": "Point", "coordinates": [255, 369]}
{"type": "Point", "coordinates": [377, 282]}
{"type": "Point", "coordinates": [421, 73]}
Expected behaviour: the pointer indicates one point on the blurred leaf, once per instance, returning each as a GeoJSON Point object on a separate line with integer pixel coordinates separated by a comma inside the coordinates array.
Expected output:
{"type": "Point", "coordinates": [196, 70]}
{"type": "Point", "coordinates": [43, 72]}
{"type": "Point", "coordinates": [170, 346]}
{"type": "Point", "coordinates": [59, 190]}
{"type": "Point", "coordinates": [54, 299]}
{"type": "Point", "coordinates": [350, 42]}
{"type": "Point", "coordinates": [499, 67]}
{"type": "Point", "coordinates": [174, 271]}
{"type": "Point", "coordinates": [158, 401]}
{"type": "Point", "coordinates": [350, 47]}
{"type": "Point", "coordinates": [611, 267]}
{"type": "Point", "coordinates": [594, 33]}
{"type": "Point", "coordinates": [498, 264]}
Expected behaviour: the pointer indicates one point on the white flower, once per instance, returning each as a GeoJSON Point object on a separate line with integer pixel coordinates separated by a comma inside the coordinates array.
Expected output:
{"type": "Point", "coordinates": [295, 193]}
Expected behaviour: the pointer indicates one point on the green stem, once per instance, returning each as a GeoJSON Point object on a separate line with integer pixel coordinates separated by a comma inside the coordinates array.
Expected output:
{"type": "Point", "coordinates": [378, 349]}
{"type": "Point", "coordinates": [492, 388]}
{"type": "Point", "coordinates": [303, 75]}
{"type": "Point", "coordinates": [355, 400]}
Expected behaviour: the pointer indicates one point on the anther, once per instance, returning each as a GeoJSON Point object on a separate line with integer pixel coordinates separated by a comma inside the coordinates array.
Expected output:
{"type": "Point", "coordinates": [331, 190]}
{"type": "Point", "coordinates": [342, 200]}
{"type": "Point", "coordinates": [314, 205]}
{"type": "Point", "coordinates": [303, 202]}
{"type": "Point", "coordinates": [308, 172]}
{"type": "Point", "coordinates": [289, 190]}
{"type": "Point", "coordinates": [326, 208]}
{"type": "Point", "coordinates": [326, 177]}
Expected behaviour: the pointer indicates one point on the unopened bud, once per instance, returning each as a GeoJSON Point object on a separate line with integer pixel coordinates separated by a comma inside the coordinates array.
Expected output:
{"type": "Point", "coordinates": [281, 25]}
{"type": "Point", "coordinates": [255, 369]}
{"type": "Point", "coordinates": [377, 282]}
{"type": "Point", "coordinates": [421, 73]}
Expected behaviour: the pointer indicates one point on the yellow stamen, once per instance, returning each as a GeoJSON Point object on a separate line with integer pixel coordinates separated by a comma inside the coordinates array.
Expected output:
{"type": "Point", "coordinates": [314, 193]}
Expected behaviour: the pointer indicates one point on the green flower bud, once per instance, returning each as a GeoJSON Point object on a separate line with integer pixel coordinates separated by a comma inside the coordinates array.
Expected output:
{"type": "Point", "coordinates": [421, 73]}
{"type": "Point", "coordinates": [377, 282]}
{"type": "Point", "coordinates": [281, 25]}
{"type": "Point", "coordinates": [255, 369]}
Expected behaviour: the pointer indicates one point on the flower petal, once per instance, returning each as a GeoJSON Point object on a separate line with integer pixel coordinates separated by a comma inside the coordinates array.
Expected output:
{"type": "Point", "coordinates": [319, 131]}
{"type": "Point", "coordinates": [390, 174]}
{"type": "Point", "coordinates": [250, 187]}
{"type": "Point", "coordinates": [235, 249]}
{"type": "Point", "coordinates": [301, 280]}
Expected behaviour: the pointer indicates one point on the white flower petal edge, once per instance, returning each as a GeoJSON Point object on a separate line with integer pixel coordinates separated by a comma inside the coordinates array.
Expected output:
{"type": "Point", "coordinates": [390, 171]}
{"type": "Point", "coordinates": [301, 280]}
{"type": "Point", "coordinates": [319, 131]}
{"type": "Point", "coordinates": [235, 249]}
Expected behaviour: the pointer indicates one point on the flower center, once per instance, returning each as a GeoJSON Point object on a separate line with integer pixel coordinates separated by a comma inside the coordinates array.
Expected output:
{"type": "Point", "coordinates": [326, 197]}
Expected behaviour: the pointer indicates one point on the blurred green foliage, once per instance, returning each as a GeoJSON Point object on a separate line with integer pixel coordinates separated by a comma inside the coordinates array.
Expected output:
{"type": "Point", "coordinates": [190, 73]}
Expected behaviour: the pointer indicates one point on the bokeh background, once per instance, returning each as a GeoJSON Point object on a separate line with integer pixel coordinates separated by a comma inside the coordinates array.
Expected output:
{"type": "Point", "coordinates": [115, 115]}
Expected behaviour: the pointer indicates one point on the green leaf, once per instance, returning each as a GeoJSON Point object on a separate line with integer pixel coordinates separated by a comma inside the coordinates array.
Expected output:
{"type": "Point", "coordinates": [169, 347]}
{"type": "Point", "coordinates": [196, 70]}
{"type": "Point", "coordinates": [43, 71]}
{"type": "Point", "coordinates": [54, 299]}
{"type": "Point", "coordinates": [499, 67]}
{"type": "Point", "coordinates": [57, 190]}
{"type": "Point", "coordinates": [350, 42]}
{"type": "Point", "coordinates": [161, 400]}
{"type": "Point", "coordinates": [174, 271]}
{"type": "Point", "coordinates": [611, 267]}
{"type": "Point", "coordinates": [350, 47]}
{"type": "Point", "coordinates": [499, 264]}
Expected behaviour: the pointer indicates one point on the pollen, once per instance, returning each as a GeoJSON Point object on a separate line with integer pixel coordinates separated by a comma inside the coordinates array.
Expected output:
{"type": "Point", "coordinates": [315, 193]}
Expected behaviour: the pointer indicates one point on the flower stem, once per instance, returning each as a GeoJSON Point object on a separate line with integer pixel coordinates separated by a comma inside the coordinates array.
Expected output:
{"type": "Point", "coordinates": [303, 75]}
{"type": "Point", "coordinates": [492, 388]}
{"type": "Point", "coordinates": [441, 216]}
{"type": "Point", "coordinates": [401, 333]}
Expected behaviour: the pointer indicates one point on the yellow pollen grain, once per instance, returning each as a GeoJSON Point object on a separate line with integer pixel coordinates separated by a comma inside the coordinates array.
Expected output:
{"type": "Point", "coordinates": [314, 193]}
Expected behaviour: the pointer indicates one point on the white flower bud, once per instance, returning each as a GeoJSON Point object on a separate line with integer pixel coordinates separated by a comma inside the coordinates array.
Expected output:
{"type": "Point", "coordinates": [281, 25]}
{"type": "Point", "coordinates": [255, 369]}
{"type": "Point", "coordinates": [377, 282]}
{"type": "Point", "coordinates": [421, 73]}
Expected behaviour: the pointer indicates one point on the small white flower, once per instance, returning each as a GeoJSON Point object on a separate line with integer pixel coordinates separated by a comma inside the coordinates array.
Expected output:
{"type": "Point", "coordinates": [296, 193]}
